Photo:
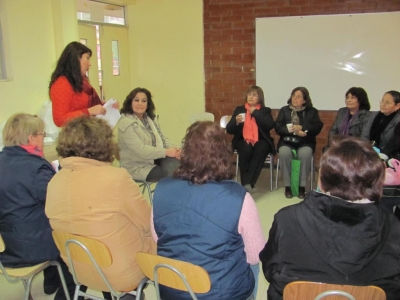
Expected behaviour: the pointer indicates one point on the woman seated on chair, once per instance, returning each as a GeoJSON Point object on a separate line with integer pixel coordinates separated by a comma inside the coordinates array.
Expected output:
{"type": "Point", "coordinates": [145, 152]}
{"type": "Point", "coordinates": [337, 235]}
{"type": "Point", "coordinates": [298, 124]}
{"type": "Point", "coordinates": [250, 125]}
{"type": "Point", "coordinates": [352, 119]}
{"type": "Point", "coordinates": [201, 216]}
{"type": "Point", "coordinates": [90, 197]}
{"type": "Point", "coordinates": [384, 126]}
{"type": "Point", "coordinates": [24, 226]}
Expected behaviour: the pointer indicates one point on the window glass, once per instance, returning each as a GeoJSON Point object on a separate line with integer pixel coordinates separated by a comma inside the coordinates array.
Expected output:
{"type": "Point", "coordinates": [115, 57]}
{"type": "Point", "coordinates": [100, 12]}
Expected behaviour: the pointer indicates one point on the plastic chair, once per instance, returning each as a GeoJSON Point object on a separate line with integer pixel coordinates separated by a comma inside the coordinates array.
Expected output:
{"type": "Point", "coordinates": [26, 274]}
{"type": "Point", "coordinates": [268, 161]}
{"type": "Point", "coordinates": [311, 173]}
{"type": "Point", "coordinates": [174, 273]}
{"type": "Point", "coordinates": [89, 251]}
{"type": "Point", "coordinates": [316, 290]}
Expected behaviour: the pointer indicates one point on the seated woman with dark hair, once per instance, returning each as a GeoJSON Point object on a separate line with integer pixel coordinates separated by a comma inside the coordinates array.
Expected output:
{"type": "Point", "coordinates": [90, 197]}
{"type": "Point", "coordinates": [337, 235]}
{"type": "Point", "coordinates": [24, 225]}
{"type": "Point", "coordinates": [352, 119]}
{"type": "Point", "coordinates": [202, 217]}
{"type": "Point", "coordinates": [144, 150]}
{"type": "Point", "coordinates": [384, 126]}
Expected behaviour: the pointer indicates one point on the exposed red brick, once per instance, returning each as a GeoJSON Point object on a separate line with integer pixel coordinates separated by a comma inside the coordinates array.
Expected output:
{"type": "Point", "coordinates": [299, 2]}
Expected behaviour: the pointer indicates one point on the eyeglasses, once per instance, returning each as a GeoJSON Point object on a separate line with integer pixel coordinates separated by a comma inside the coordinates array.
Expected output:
{"type": "Point", "coordinates": [381, 102]}
{"type": "Point", "coordinates": [41, 133]}
{"type": "Point", "coordinates": [252, 94]}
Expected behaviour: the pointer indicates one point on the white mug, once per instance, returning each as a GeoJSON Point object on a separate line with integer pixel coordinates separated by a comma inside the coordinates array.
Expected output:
{"type": "Point", "coordinates": [288, 126]}
{"type": "Point", "coordinates": [243, 116]}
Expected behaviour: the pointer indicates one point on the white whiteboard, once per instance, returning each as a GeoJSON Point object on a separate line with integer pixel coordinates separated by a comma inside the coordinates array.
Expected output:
{"type": "Point", "coordinates": [328, 55]}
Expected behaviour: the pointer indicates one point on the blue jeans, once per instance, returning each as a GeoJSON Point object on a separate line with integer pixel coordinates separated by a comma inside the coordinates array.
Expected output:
{"type": "Point", "coordinates": [256, 270]}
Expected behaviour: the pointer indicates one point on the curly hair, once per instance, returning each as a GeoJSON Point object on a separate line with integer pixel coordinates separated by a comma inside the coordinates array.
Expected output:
{"type": "Point", "coordinates": [205, 155]}
{"type": "Point", "coordinates": [69, 65]}
{"type": "Point", "coordinates": [87, 137]}
{"type": "Point", "coordinates": [306, 96]}
{"type": "Point", "coordinates": [350, 169]}
{"type": "Point", "coordinates": [127, 106]}
{"type": "Point", "coordinates": [19, 127]}
{"type": "Point", "coordinates": [362, 97]}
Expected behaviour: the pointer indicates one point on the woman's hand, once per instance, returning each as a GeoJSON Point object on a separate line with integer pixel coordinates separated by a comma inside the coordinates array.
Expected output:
{"type": "Point", "coordinates": [116, 105]}
{"type": "Point", "coordinates": [239, 119]}
{"type": "Point", "coordinates": [301, 133]}
{"type": "Point", "coordinates": [97, 110]}
{"type": "Point", "coordinates": [297, 128]}
{"type": "Point", "coordinates": [251, 109]}
{"type": "Point", "coordinates": [173, 152]}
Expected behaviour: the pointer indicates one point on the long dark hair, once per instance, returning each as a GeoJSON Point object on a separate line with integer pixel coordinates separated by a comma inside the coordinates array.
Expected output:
{"type": "Point", "coordinates": [68, 65]}
{"type": "Point", "coordinates": [306, 96]}
{"type": "Point", "coordinates": [127, 106]}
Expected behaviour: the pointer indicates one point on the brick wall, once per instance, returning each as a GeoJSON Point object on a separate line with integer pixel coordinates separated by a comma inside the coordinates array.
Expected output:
{"type": "Point", "coordinates": [229, 46]}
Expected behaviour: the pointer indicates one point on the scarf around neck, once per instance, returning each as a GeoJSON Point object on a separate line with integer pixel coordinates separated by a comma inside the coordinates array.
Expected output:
{"type": "Point", "coordinates": [293, 116]}
{"type": "Point", "coordinates": [33, 149]}
{"type": "Point", "coordinates": [346, 122]}
{"type": "Point", "coordinates": [91, 92]}
{"type": "Point", "coordinates": [250, 128]}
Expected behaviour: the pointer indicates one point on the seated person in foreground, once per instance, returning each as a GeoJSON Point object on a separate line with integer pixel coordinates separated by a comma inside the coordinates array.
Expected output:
{"type": "Point", "coordinates": [337, 235]}
{"type": "Point", "coordinates": [144, 151]}
{"type": "Point", "coordinates": [24, 226]}
{"type": "Point", "coordinates": [90, 197]}
{"type": "Point", "coordinates": [202, 217]}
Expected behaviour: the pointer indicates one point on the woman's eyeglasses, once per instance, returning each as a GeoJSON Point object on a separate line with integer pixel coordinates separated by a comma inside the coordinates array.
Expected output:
{"type": "Point", "coordinates": [41, 133]}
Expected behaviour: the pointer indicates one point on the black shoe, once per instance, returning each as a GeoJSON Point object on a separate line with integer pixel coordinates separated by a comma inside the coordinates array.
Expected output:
{"type": "Point", "coordinates": [288, 192]}
{"type": "Point", "coordinates": [50, 289]}
{"type": "Point", "coordinates": [302, 192]}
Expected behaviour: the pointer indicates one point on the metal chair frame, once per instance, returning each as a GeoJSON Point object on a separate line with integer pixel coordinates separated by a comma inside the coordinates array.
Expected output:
{"type": "Point", "coordinates": [78, 292]}
{"type": "Point", "coordinates": [335, 292]}
{"type": "Point", "coordinates": [30, 273]}
{"type": "Point", "coordinates": [146, 186]}
{"type": "Point", "coordinates": [311, 173]}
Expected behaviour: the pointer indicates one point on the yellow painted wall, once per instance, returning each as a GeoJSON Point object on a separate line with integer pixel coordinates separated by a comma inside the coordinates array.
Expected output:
{"type": "Point", "coordinates": [29, 31]}
{"type": "Point", "coordinates": [166, 46]}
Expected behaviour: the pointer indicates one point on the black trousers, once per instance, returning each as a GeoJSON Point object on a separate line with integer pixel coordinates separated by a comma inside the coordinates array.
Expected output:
{"type": "Point", "coordinates": [251, 160]}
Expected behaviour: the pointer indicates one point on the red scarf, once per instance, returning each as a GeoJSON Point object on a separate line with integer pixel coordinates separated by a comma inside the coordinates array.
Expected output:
{"type": "Point", "coordinates": [91, 92]}
{"type": "Point", "coordinates": [250, 128]}
{"type": "Point", "coordinates": [33, 149]}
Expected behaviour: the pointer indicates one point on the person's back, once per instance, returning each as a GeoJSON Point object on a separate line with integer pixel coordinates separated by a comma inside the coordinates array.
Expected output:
{"type": "Point", "coordinates": [200, 226]}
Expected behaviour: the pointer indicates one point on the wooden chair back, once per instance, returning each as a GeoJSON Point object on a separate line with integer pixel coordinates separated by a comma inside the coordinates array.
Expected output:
{"type": "Point", "coordinates": [197, 277]}
{"type": "Point", "coordinates": [305, 290]}
{"type": "Point", "coordinates": [2, 245]}
{"type": "Point", "coordinates": [99, 250]}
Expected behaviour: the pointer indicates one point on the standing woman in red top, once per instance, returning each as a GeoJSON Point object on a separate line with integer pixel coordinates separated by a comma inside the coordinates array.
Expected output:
{"type": "Point", "coordinates": [70, 91]}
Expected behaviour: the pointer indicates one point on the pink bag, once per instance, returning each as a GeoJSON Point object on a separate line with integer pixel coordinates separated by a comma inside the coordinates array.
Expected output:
{"type": "Point", "coordinates": [393, 176]}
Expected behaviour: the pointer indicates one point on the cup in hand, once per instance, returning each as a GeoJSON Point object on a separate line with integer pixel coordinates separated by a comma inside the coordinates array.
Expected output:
{"type": "Point", "coordinates": [289, 125]}
{"type": "Point", "coordinates": [243, 116]}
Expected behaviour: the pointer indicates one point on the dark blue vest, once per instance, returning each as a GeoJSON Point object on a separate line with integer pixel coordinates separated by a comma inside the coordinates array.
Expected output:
{"type": "Point", "coordinates": [199, 224]}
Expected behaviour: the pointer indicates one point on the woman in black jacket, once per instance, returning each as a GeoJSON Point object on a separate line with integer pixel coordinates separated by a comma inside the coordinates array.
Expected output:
{"type": "Point", "coordinates": [250, 125]}
{"type": "Point", "coordinates": [298, 124]}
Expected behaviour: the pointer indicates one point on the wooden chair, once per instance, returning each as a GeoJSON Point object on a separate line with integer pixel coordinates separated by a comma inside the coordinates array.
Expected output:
{"type": "Point", "coordinates": [89, 251]}
{"type": "Point", "coordinates": [26, 274]}
{"type": "Point", "coordinates": [268, 161]}
{"type": "Point", "coordinates": [174, 273]}
{"type": "Point", "coordinates": [304, 290]}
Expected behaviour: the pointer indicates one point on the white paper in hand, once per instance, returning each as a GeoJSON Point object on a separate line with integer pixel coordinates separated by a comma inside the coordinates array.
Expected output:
{"type": "Point", "coordinates": [112, 115]}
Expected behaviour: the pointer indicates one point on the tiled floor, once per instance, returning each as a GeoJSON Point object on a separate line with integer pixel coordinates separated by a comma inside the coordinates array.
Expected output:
{"type": "Point", "coordinates": [268, 204]}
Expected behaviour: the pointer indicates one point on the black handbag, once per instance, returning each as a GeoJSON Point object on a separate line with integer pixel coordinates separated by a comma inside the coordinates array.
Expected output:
{"type": "Point", "coordinates": [292, 140]}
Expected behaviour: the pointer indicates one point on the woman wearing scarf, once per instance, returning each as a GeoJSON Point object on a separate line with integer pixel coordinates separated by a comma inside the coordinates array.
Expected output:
{"type": "Point", "coordinates": [24, 225]}
{"type": "Point", "coordinates": [298, 124]}
{"type": "Point", "coordinates": [352, 119]}
{"type": "Point", "coordinates": [70, 91]}
{"type": "Point", "coordinates": [144, 151]}
{"type": "Point", "coordinates": [250, 125]}
{"type": "Point", "coordinates": [384, 126]}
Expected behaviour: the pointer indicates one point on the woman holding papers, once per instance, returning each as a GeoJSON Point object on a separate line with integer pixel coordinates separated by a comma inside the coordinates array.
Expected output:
{"type": "Point", "coordinates": [145, 152]}
{"type": "Point", "coordinates": [70, 91]}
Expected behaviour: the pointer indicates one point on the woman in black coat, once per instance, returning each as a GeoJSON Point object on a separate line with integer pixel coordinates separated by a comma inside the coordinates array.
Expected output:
{"type": "Point", "coordinates": [250, 125]}
{"type": "Point", "coordinates": [298, 124]}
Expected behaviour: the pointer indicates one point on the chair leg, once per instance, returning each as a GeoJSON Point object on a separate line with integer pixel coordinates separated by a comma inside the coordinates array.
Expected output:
{"type": "Point", "coordinates": [271, 171]}
{"type": "Point", "coordinates": [77, 289]}
{"type": "Point", "coordinates": [277, 174]}
{"type": "Point", "coordinates": [141, 286]}
{"type": "Point", "coordinates": [237, 166]}
{"type": "Point", "coordinates": [312, 173]}
{"type": "Point", "coordinates": [63, 283]}
{"type": "Point", "coordinates": [28, 285]}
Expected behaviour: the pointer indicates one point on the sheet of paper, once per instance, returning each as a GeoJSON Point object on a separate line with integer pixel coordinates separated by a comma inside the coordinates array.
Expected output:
{"type": "Point", "coordinates": [112, 115]}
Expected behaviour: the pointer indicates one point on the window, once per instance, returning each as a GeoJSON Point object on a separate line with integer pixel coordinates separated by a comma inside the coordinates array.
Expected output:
{"type": "Point", "coordinates": [115, 57]}
{"type": "Point", "coordinates": [3, 74]}
{"type": "Point", "coordinates": [100, 12]}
